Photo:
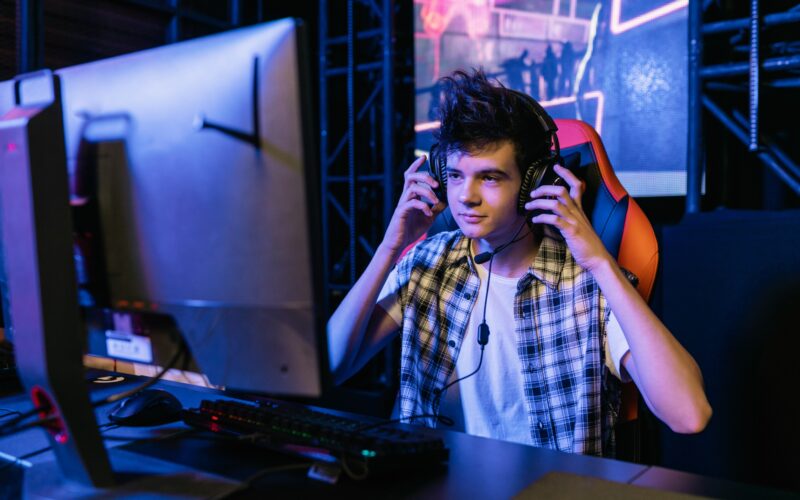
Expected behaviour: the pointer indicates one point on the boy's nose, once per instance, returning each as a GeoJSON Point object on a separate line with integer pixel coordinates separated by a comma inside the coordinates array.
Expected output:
{"type": "Point", "coordinates": [469, 194]}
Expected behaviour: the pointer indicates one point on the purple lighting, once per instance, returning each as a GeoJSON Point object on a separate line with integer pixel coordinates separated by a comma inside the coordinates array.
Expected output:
{"type": "Point", "coordinates": [618, 26]}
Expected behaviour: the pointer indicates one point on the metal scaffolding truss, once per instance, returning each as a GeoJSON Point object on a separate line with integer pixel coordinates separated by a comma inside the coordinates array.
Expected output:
{"type": "Point", "coordinates": [357, 135]}
{"type": "Point", "coordinates": [755, 63]}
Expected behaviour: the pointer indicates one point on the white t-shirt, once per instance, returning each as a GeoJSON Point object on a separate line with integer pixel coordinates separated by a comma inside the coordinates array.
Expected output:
{"type": "Point", "coordinates": [492, 402]}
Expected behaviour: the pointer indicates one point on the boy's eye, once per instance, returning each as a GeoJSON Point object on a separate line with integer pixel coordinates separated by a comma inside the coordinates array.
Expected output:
{"type": "Point", "coordinates": [452, 175]}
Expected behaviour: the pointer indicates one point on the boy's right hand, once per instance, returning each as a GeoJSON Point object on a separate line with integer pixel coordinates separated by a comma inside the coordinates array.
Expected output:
{"type": "Point", "coordinates": [416, 210]}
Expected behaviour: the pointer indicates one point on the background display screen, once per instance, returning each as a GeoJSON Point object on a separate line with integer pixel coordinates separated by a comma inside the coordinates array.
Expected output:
{"type": "Point", "coordinates": [617, 65]}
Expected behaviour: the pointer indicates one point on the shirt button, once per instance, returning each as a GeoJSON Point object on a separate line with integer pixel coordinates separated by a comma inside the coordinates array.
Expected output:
{"type": "Point", "coordinates": [468, 296]}
{"type": "Point", "coordinates": [452, 343]}
{"type": "Point", "coordinates": [541, 425]}
{"type": "Point", "coordinates": [530, 366]}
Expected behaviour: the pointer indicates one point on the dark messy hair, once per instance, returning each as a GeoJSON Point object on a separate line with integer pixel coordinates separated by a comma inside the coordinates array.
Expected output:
{"type": "Point", "coordinates": [476, 114]}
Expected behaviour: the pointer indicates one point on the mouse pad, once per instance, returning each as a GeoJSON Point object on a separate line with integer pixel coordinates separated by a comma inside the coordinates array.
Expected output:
{"type": "Point", "coordinates": [558, 485]}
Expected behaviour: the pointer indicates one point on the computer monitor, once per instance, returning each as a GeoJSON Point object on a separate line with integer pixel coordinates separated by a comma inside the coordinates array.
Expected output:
{"type": "Point", "coordinates": [196, 157]}
{"type": "Point", "coordinates": [199, 160]}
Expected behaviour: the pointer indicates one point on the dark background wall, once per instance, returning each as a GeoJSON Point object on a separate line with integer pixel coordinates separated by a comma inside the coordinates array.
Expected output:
{"type": "Point", "coordinates": [79, 31]}
{"type": "Point", "coordinates": [730, 293]}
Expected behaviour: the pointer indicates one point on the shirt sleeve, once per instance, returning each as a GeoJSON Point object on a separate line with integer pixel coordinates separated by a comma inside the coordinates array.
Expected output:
{"type": "Point", "coordinates": [388, 298]}
{"type": "Point", "coordinates": [616, 347]}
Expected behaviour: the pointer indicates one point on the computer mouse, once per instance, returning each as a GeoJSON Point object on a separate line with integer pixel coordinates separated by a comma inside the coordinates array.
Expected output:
{"type": "Point", "coordinates": [146, 408]}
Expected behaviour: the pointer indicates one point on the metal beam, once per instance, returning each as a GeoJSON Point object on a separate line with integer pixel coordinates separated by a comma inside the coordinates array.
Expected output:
{"type": "Point", "coordinates": [766, 157]}
{"type": "Point", "coordinates": [742, 68]}
{"type": "Point", "coordinates": [361, 35]}
{"type": "Point", "coordinates": [694, 147]}
{"type": "Point", "coordinates": [351, 134]}
{"type": "Point", "coordinates": [174, 26]}
{"type": "Point", "coordinates": [359, 68]}
{"type": "Point", "coordinates": [388, 110]}
{"type": "Point", "coordinates": [234, 12]}
{"type": "Point", "coordinates": [343, 141]}
{"type": "Point", "coordinates": [755, 68]}
{"type": "Point", "coordinates": [31, 35]}
{"type": "Point", "coordinates": [744, 23]}
{"type": "Point", "coordinates": [772, 147]}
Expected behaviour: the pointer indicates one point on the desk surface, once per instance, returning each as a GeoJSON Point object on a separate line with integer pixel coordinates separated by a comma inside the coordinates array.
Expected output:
{"type": "Point", "coordinates": [478, 467]}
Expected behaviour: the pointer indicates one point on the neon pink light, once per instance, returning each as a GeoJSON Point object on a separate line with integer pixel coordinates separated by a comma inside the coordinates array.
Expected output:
{"type": "Point", "coordinates": [436, 15]}
{"type": "Point", "coordinates": [594, 94]}
{"type": "Point", "coordinates": [422, 127]}
{"type": "Point", "coordinates": [618, 27]}
{"type": "Point", "coordinates": [435, 18]}
{"type": "Point", "coordinates": [601, 102]}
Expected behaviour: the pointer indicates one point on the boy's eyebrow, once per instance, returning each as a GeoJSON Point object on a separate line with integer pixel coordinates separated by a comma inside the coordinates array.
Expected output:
{"type": "Point", "coordinates": [483, 171]}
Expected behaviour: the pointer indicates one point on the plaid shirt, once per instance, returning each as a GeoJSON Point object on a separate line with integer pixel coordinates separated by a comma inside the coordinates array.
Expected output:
{"type": "Point", "coordinates": [560, 316]}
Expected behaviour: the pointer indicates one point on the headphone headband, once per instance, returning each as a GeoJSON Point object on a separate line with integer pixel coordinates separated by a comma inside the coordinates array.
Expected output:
{"type": "Point", "coordinates": [545, 120]}
{"type": "Point", "coordinates": [533, 173]}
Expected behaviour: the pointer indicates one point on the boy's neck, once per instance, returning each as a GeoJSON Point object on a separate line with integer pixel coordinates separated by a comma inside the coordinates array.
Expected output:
{"type": "Point", "coordinates": [514, 260]}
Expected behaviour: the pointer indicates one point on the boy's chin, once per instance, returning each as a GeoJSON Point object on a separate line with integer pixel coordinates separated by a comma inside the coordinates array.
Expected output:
{"type": "Point", "coordinates": [472, 232]}
{"type": "Point", "coordinates": [481, 235]}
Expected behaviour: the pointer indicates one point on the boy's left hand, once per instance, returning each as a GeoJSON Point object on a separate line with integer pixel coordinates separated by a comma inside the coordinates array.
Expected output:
{"type": "Point", "coordinates": [565, 212]}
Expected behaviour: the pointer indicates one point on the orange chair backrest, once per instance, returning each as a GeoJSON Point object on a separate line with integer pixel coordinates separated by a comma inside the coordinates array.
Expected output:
{"type": "Point", "coordinates": [617, 218]}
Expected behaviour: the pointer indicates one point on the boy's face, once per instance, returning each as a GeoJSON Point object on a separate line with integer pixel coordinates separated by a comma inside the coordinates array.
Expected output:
{"type": "Point", "coordinates": [482, 192]}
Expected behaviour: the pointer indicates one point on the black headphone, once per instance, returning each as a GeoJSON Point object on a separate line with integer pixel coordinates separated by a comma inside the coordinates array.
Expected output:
{"type": "Point", "coordinates": [531, 177]}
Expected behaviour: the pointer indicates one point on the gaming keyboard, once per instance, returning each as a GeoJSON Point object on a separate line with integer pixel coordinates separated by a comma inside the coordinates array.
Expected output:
{"type": "Point", "coordinates": [299, 430]}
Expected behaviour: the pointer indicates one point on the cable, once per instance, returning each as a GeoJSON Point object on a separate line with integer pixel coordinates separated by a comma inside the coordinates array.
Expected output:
{"type": "Point", "coordinates": [483, 328]}
{"type": "Point", "coordinates": [441, 418]}
{"type": "Point", "coordinates": [248, 482]}
{"type": "Point", "coordinates": [125, 394]}
{"type": "Point", "coordinates": [484, 256]}
{"type": "Point", "coordinates": [111, 399]}
{"type": "Point", "coordinates": [17, 460]}
{"type": "Point", "coordinates": [20, 417]}
{"type": "Point", "coordinates": [6, 431]}
{"type": "Point", "coordinates": [483, 331]}
{"type": "Point", "coordinates": [441, 393]}
{"type": "Point", "coordinates": [9, 413]}
{"type": "Point", "coordinates": [352, 475]}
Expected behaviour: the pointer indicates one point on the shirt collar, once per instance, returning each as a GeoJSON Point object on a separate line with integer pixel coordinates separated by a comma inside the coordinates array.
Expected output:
{"type": "Point", "coordinates": [459, 253]}
{"type": "Point", "coordinates": [549, 261]}
{"type": "Point", "coordinates": [547, 266]}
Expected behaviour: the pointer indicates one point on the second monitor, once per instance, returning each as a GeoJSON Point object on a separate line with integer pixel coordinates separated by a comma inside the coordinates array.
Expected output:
{"type": "Point", "coordinates": [195, 158]}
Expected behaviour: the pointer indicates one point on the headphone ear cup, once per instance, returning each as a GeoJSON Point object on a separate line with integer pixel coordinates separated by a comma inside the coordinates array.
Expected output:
{"type": "Point", "coordinates": [531, 180]}
{"type": "Point", "coordinates": [439, 173]}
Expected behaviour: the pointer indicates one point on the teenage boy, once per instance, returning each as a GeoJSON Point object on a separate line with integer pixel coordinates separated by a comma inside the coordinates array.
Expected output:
{"type": "Point", "coordinates": [566, 324]}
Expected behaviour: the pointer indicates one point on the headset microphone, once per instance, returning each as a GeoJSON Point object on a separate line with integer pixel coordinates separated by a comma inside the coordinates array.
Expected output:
{"type": "Point", "coordinates": [487, 256]}
{"type": "Point", "coordinates": [483, 257]}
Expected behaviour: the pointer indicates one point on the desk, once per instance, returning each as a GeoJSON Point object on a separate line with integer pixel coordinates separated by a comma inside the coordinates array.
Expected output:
{"type": "Point", "coordinates": [478, 467]}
